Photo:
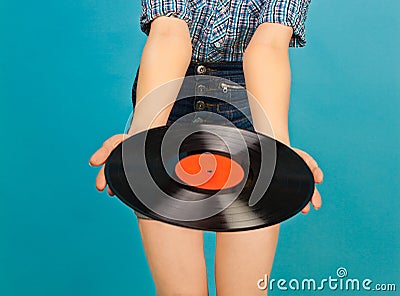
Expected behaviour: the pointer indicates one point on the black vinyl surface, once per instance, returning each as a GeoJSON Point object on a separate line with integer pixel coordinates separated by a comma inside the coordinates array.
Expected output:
{"type": "Point", "coordinates": [290, 189]}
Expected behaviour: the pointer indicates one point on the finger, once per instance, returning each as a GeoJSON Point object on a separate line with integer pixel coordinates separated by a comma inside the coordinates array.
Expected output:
{"type": "Point", "coordinates": [316, 199]}
{"type": "Point", "coordinates": [101, 155]}
{"type": "Point", "coordinates": [306, 209]}
{"type": "Point", "coordinates": [113, 142]}
{"type": "Point", "coordinates": [318, 175]}
{"type": "Point", "coordinates": [110, 193]}
{"type": "Point", "coordinates": [311, 162]}
{"type": "Point", "coordinates": [101, 180]}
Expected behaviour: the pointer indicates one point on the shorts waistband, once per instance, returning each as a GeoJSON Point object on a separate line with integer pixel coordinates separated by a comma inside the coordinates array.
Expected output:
{"type": "Point", "coordinates": [218, 63]}
{"type": "Point", "coordinates": [199, 68]}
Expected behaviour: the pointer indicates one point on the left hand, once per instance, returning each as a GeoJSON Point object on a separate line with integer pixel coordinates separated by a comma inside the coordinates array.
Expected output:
{"type": "Point", "coordinates": [100, 157]}
{"type": "Point", "coordinates": [316, 200]}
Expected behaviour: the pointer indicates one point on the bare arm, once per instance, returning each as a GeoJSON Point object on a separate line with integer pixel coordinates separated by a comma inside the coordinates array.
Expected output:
{"type": "Point", "coordinates": [267, 73]}
{"type": "Point", "coordinates": [165, 58]}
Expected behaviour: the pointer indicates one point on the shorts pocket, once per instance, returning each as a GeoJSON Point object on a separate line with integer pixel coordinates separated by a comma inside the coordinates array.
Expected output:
{"type": "Point", "coordinates": [244, 123]}
{"type": "Point", "coordinates": [241, 113]}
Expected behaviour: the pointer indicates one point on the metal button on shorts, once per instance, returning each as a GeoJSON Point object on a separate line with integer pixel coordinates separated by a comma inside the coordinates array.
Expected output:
{"type": "Point", "coordinates": [201, 69]}
{"type": "Point", "coordinates": [200, 105]}
{"type": "Point", "coordinates": [201, 88]}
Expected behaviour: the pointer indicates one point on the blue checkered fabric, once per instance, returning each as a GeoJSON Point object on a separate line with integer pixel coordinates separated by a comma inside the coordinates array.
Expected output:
{"type": "Point", "coordinates": [221, 29]}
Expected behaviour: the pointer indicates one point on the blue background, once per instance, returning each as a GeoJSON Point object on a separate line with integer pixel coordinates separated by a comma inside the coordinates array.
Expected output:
{"type": "Point", "coordinates": [66, 73]}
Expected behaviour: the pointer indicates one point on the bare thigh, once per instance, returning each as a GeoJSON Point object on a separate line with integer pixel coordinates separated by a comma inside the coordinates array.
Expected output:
{"type": "Point", "coordinates": [242, 258]}
{"type": "Point", "coordinates": [176, 258]}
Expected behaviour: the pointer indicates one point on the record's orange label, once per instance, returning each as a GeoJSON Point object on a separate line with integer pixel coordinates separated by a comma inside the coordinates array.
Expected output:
{"type": "Point", "coordinates": [209, 171]}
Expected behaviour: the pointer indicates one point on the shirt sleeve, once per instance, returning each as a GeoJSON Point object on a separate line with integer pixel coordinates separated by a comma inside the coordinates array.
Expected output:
{"type": "Point", "coordinates": [291, 13]}
{"type": "Point", "coordinates": [154, 8]}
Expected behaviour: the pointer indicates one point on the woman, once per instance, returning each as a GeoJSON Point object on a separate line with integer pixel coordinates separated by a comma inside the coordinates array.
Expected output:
{"type": "Point", "coordinates": [245, 41]}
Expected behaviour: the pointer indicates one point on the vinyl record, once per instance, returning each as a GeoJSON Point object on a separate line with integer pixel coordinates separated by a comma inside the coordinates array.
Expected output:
{"type": "Point", "coordinates": [207, 177]}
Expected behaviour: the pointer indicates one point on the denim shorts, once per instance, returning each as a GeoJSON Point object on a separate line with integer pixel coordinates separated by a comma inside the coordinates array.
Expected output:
{"type": "Point", "coordinates": [227, 99]}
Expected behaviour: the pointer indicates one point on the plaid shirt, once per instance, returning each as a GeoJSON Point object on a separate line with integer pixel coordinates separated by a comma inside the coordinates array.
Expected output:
{"type": "Point", "coordinates": [221, 29]}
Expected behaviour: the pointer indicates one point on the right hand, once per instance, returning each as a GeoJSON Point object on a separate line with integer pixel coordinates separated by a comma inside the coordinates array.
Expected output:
{"type": "Point", "coordinates": [316, 200]}
{"type": "Point", "coordinates": [99, 158]}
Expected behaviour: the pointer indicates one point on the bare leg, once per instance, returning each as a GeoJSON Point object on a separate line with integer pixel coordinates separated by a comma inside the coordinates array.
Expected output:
{"type": "Point", "coordinates": [242, 258]}
{"type": "Point", "coordinates": [176, 258]}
